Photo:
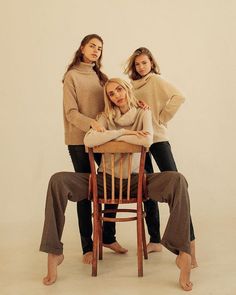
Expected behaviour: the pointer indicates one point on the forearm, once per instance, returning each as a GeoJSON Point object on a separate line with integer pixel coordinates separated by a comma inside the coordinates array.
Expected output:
{"type": "Point", "coordinates": [79, 120]}
{"type": "Point", "coordinates": [94, 138]}
{"type": "Point", "coordinates": [139, 140]}
{"type": "Point", "coordinates": [171, 108]}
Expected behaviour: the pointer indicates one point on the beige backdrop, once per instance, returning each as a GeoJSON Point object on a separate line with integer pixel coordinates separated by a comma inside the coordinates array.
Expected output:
{"type": "Point", "coordinates": [194, 43]}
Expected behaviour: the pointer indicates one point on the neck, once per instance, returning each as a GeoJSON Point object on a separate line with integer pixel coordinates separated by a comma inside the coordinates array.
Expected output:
{"type": "Point", "coordinates": [86, 60]}
{"type": "Point", "coordinates": [124, 109]}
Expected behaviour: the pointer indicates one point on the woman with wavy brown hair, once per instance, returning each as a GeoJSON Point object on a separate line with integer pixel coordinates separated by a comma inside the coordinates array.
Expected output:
{"type": "Point", "coordinates": [82, 101]}
{"type": "Point", "coordinates": [164, 101]}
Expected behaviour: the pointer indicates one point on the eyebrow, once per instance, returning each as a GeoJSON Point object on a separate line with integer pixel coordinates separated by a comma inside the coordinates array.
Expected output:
{"type": "Point", "coordinates": [100, 47]}
{"type": "Point", "coordinates": [114, 89]}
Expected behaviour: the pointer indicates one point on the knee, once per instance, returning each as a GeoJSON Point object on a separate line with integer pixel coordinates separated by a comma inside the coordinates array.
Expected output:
{"type": "Point", "coordinates": [178, 178]}
{"type": "Point", "coordinates": [58, 178]}
{"type": "Point", "coordinates": [55, 178]}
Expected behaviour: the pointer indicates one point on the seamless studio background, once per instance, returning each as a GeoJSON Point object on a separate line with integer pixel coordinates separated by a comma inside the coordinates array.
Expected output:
{"type": "Point", "coordinates": [194, 42]}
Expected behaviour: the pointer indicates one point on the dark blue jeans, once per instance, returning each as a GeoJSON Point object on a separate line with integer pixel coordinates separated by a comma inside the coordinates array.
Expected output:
{"type": "Point", "coordinates": [81, 164]}
{"type": "Point", "coordinates": [162, 154]}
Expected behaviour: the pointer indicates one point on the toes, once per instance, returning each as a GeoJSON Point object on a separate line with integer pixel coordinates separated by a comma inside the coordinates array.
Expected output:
{"type": "Point", "coordinates": [88, 258]}
{"type": "Point", "coordinates": [48, 281]}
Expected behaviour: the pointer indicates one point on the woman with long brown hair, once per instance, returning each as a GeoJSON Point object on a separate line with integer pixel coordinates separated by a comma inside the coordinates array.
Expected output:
{"type": "Point", "coordinates": [82, 101]}
{"type": "Point", "coordinates": [164, 100]}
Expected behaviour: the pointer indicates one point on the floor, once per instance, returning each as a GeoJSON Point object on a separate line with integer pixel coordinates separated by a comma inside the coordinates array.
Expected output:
{"type": "Point", "coordinates": [23, 266]}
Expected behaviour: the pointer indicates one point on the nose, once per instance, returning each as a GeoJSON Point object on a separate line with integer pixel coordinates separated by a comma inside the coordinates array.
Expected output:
{"type": "Point", "coordinates": [117, 94]}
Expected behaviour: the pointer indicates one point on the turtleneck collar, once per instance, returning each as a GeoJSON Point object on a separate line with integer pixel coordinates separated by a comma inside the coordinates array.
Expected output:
{"type": "Point", "coordinates": [139, 83]}
{"type": "Point", "coordinates": [126, 119]}
{"type": "Point", "coordinates": [84, 67]}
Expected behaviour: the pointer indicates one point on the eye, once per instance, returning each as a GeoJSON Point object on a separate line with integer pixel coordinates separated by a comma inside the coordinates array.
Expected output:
{"type": "Point", "coordinates": [119, 88]}
{"type": "Point", "coordinates": [110, 94]}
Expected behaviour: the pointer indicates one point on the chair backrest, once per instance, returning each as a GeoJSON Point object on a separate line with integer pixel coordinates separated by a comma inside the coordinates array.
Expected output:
{"type": "Point", "coordinates": [118, 156]}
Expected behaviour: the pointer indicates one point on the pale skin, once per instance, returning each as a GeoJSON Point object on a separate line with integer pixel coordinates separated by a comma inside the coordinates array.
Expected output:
{"type": "Point", "coordinates": [157, 247]}
{"type": "Point", "coordinates": [116, 247]}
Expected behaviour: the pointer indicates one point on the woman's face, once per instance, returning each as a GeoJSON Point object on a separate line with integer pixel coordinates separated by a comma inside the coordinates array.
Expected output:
{"type": "Point", "coordinates": [143, 65]}
{"type": "Point", "coordinates": [117, 94]}
{"type": "Point", "coordinates": [92, 50]}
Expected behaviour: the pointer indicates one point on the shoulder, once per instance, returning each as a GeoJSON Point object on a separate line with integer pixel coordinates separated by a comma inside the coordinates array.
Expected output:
{"type": "Point", "coordinates": [144, 113]}
{"type": "Point", "coordinates": [155, 78]}
{"type": "Point", "coordinates": [70, 77]}
{"type": "Point", "coordinates": [71, 74]}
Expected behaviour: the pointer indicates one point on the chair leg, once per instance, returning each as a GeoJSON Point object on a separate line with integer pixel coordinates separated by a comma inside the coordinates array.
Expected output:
{"type": "Point", "coordinates": [145, 254]}
{"type": "Point", "coordinates": [100, 232]}
{"type": "Point", "coordinates": [139, 244]}
{"type": "Point", "coordinates": [95, 244]}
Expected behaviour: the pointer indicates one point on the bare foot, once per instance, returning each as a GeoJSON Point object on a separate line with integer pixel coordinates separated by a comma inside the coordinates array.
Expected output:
{"type": "Point", "coordinates": [183, 261]}
{"type": "Point", "coordinates": [53, 262]}
{"type": "Point", "coordinates": [88, 258]}
{"type": "Point", "coordinates": [194, 263]}
{"type": "Point", "coordinates": [116, 247]}
{"type": "Point", "coordinates": [154, 247]}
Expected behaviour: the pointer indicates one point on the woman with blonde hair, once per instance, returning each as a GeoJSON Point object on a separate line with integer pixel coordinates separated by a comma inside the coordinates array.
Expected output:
{"type": "Point", "coordinates": [121, 120]}
{"type": "Point", "coordinates": [164, 101]}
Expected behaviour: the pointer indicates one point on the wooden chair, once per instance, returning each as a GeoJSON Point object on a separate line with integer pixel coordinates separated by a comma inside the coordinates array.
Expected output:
{"type": "Point", "coordinates": [111, 149]}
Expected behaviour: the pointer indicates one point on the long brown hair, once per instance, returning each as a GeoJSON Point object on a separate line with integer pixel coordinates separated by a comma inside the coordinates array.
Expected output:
{"type": "Point", "coordinates": [78, 58]}
{"type": "Point", "coordinates": [130, 64]}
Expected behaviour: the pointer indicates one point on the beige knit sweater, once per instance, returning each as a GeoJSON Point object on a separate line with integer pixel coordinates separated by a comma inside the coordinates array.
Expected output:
{"type": "Point", "coordinates": [163, 99]}
{"type": "Point", "coordinates": [134, 119]}
{"type": "Point", "coordinates": [82, 101]}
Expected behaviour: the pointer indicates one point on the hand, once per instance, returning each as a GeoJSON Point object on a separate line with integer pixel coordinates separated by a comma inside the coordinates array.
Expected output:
{"type": "Point", "coordinates": [143, 105]}
{"type": "Point", "coordinates": [96, 126]}
{"type": "Point", "coordinates": [137, 133]}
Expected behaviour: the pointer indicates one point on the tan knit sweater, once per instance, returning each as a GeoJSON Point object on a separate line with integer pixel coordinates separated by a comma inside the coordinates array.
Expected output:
{"type": "Point", "coordinates": [82, 101]}
{"type": "Point", "coordinates": [163, 99]}
{"type": "Point", "coordinates": [134, 119]}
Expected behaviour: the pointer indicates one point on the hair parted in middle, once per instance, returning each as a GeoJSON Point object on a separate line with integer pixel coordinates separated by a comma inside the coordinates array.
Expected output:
{"type": "Point", "coordinates": [78, 58]}
{"type": "Point", "coordinates": [130, 64]}
{"type": "Point", "coordinates": [109, 105]}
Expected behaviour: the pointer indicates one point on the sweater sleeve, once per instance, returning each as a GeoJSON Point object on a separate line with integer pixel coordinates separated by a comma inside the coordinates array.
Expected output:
{"type": "Point", "coordinates": [141, 140]}
{"type": "Point", "coordinates": [94, 138]}
{"type": "Point", "coordinates": [174, 101]}
{"type": "Point", "coordinates": [70, 105]}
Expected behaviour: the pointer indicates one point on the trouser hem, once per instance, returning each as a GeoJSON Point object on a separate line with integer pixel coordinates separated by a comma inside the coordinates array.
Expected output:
{"type": "Point", "coordinates": [176, 250]}
{"type": "Point", "coordinates": [51, 250]}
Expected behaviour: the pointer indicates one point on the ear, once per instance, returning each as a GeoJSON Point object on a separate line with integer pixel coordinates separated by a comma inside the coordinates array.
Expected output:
{"type": "Point", "coordinates": [82, 49]}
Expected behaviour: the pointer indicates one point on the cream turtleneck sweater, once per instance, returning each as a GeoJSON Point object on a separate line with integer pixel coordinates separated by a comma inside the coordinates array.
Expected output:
{"type": "Point", "coordinates": [135, 119]}
{"type": "Point", "coordinates": [163, 99]}
{"type": "Point", "coordinates": [82, 101]}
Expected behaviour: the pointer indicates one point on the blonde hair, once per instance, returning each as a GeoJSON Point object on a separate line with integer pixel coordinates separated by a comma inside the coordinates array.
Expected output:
{"type": "Point", "coordinates": [130, 68]}
{"type": "Point", "coordinates": [109, 105]}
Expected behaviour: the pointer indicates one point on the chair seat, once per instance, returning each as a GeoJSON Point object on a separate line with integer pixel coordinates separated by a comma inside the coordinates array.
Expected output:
{"type": "Point", "coordinates": [117, 201]}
